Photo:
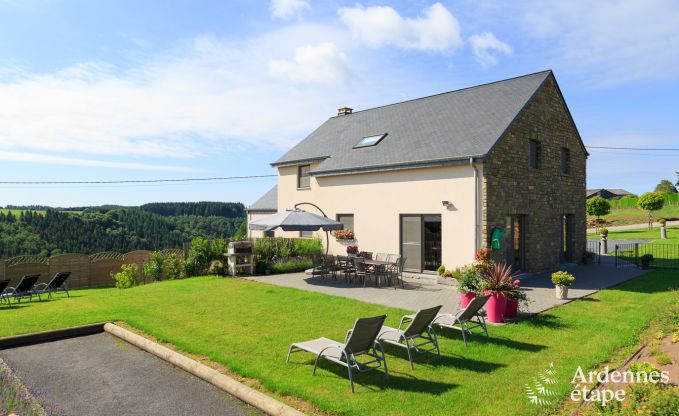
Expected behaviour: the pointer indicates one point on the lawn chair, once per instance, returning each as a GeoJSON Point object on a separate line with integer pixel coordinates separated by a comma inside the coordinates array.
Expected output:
{"type": "Point", "coordinates": [418, 329]}
{"type": "Point", "coordinates": [361, 270]}
{"type": "Point", "coordinates": [3, 296]}
{"type": "Point", "coordinates": [360, 340]}
{"type": "Point", "coordinates": [466, 319]}
{"type": "Point", "coordinates": [24, 288]}
{"type": "Point", "coordinates": [57, 283]}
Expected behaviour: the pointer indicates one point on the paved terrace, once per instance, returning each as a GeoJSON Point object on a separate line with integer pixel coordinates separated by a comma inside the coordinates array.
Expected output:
{"type": "Point", "coordinates": [420, 293]}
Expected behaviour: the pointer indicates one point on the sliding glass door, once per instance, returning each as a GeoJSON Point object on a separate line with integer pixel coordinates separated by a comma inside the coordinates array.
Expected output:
{"type": "Point", "coordinates": [421, 241]}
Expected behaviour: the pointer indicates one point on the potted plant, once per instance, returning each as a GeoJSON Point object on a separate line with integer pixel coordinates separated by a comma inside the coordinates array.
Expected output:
{"type": "Point", "coordinates": [513, 298]}
{"type": "Point", "coordinates": [603, 232]}
{"type": "Point", "coordinates": [352, 251]}
{"type": "Point", "coordinates": [468, 284]}
{"type": "Point", "coordinates": [646, 260]}
{"type": "Point", "coordinates": [663, 228]}
{"type": "Point", "coordinates": [343, 234]}
{"type": "Point", "coordinates": [562, 280]}
{"type": "Point", "coordinates": [497, 281]}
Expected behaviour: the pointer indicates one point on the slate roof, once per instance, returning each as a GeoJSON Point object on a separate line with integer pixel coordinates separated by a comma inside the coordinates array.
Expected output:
{"type": "Point", "coordinates": [432, 130]}
{"type": "Point", "coordinates": [267, 202]}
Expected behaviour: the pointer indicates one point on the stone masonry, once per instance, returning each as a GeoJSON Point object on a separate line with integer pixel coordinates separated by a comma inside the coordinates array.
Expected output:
{"type": "Point", "coordinates": [543, 195]}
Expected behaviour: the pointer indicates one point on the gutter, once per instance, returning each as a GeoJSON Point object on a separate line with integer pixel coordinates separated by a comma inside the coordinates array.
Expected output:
{"type": "Point", "coordinates": [476, 204]}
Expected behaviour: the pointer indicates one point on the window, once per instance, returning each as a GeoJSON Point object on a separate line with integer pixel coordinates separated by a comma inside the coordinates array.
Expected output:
{"type": "Point", "coordinates": [370, 140]}
{"type": "Point", "coordinates": [269, 233]}
{"type": "Point", "coordinates": [535, 149]}
{"type": "Point", "coordinates": [306, 234]}
{"type": "Point", "coordinates": [347, 220]}
{"type": "Point", "coordinates": [303, 176]}
{"type": "Point", "coordinates": [565, 161]}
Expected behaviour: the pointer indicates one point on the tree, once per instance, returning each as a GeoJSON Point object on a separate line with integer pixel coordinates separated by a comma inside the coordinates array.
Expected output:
{"type": "Point", "coordinates": [596, 207]}
{"type": "Point", "coordinates": [666, 186]}
{"type": "Point", "coordinates": [651, 201]}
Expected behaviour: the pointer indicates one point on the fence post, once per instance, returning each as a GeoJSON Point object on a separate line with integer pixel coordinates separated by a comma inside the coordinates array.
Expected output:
{"type": "Point", "coordinates": [636, 254]}
{"type": "Point", "coordinates": [616, 255]}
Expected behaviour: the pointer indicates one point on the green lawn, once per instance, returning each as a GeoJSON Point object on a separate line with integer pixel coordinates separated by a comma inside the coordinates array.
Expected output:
{"type": "Point", "coordinates": [17, 212]}
{"type": "Point", "coordinates": [642, 233]}
{"type": "Point", "coordinates": [248, 327]}
{"type": "Point", "coordinates": [622, 216]}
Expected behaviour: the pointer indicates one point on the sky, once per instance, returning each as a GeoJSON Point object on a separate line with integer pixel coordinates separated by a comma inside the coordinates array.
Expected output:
{"type": "Point", "coordinates": [140, 90]}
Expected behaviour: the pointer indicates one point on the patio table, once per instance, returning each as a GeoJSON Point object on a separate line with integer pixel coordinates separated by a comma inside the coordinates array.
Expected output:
{"type": "Point", "coordinates": [378, 265]}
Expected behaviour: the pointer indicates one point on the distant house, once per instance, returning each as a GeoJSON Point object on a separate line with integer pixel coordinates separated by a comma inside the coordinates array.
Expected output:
{"type": "Point", "coordinates": [436, 178]}
{"type": "Point", "coordinates": [607, 193]}
{"type": "Point", "coordinates": [267, 204]}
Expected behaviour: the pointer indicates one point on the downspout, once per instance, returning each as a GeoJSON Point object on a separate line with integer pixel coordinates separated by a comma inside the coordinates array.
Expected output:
{"type": "Point", "coordinates": [476, 204]}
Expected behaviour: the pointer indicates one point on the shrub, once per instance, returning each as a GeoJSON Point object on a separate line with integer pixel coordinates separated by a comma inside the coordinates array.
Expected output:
{"type": "Point", "coordinates": [201, 253]}
{"type": "Point", "coordinates": [307, 247]}
{"type": "Point", "coordinates": [662, 221]}
{"type": "Point", "coordinates": [154, 267]}
{"type": "Point", "coordinates": [127, 276]}
{"type": "Point", "coordinates": [644, 367]}
{"type": "Point", "coordinates": [497, 277]}
{"type": "Point", "coordinates": [441, 270]}
{"type": "Point", "coordinates": [562, 278]}
{"type": "Point", "coordinates": [261, 266]}
{"type": "Point", "coordinates": [216, 267]}
{"type": "Point", "coordinates": [603, 231]}
{"type": "Point", "coordinates": [597, 207]}
{"type": "Point", "coordinates": [651, 201]}
{"type": "Point", "coordinates": [174, 267]}
{"type": "Point", "coordinates": [469, 280]}
{"type": "Point", "coordinates": [291, 266]}
{"type": "Point", "coordinates": [641, 398]}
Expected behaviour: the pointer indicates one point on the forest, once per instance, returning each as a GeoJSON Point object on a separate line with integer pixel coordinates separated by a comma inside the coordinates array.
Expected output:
{"type": "Point", "coordinates": [52, 231]}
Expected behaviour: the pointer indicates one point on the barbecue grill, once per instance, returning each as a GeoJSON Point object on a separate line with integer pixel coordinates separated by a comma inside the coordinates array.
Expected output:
{"type": "Point", "coordinates": [239, 258]}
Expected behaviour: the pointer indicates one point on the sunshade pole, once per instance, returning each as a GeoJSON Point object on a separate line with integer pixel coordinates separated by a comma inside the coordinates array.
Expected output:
{"type": "Point", "coordinates": [327, 237]}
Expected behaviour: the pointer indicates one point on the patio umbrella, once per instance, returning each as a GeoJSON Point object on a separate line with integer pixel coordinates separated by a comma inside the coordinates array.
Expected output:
{"type": "Point", "coordinates": [296, 220]}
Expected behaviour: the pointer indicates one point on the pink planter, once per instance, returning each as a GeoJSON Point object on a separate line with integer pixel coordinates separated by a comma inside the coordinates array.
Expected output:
{"type": "Point", "coordinates": [465, 298]}
{"type": "Point", "coordinates": [495, 307]}
{"type": "Point", "coordinates": [511, 308]}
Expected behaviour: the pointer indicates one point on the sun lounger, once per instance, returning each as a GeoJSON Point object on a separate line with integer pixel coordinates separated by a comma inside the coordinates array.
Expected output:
{"type": "Point", "coordinates": [466, 319]}
{"type": "Point", "coordinates": [57, 283]}
{"type": "Point", "coordinates": [24, 288]}
{"type": "Point", "coordinates": [416, 335]}
{"type": "Point", "coordinates": [360, 341]}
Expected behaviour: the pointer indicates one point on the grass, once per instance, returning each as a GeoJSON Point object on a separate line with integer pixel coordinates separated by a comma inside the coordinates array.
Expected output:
{"type": "Point", "coordinates": [248, 326]}
{"type": "Point", "coordinates": [17, 212]}
{"type": "Point", "coordinates": [622, 216]}
{"type": "Point", "coordinates": [642, 233]}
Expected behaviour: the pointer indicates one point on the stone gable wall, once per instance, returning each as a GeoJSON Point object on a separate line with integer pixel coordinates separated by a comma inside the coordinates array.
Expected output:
{"type": "Point", "coordinates": [510, 186]}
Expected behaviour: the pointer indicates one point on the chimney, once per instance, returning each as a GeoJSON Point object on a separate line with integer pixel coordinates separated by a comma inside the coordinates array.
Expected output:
{"type": "Point", "coordinates": [344, 111]}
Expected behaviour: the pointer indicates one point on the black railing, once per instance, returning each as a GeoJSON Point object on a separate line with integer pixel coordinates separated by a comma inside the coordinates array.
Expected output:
{"type": "Point", "coordinates": [662, 256]}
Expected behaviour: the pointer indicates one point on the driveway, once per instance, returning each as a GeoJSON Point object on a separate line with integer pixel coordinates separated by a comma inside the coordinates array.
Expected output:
{"type": "Point", "coordinates": [633, 226]}
{"type": "Point", "coordinates": [102, 375]}
{"type": "Point", "coordinates": [419, 294]}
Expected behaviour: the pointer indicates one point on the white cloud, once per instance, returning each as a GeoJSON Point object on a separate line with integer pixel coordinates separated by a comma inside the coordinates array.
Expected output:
{"type": "Point", "coordinates": [321, 64]}
{"type": "Point", "coordinates": [607, 42]}
{"type": "Point", "coordinates": [436, 30]}
{"type": "Point", "coordinates": [72, 161]}
{"type": "Point", "coordinates": [484, 45]}
{"type": "Point", "coordinates": [207, 96]}
{"type": "Point", "coordinates": [287, 9]}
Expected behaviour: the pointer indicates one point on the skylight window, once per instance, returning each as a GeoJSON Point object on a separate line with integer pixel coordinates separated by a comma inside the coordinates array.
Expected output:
{"type": "Point", "coordinates": [370, 140]}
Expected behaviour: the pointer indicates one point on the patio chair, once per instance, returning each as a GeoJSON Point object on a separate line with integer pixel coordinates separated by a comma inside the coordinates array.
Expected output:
{"type": "Point", "coordinates": [381, 257]}
{"type": "Point", "coordinates": [24, 288]}
{"type": "Point", "coordinates": [361, 270]}
{"type": "Point", "coordinates": [57, 283]}
{"type": "Point", "coordinates": [318, 267]}
{"type": "Point", "coordinates": [346, 267]}
{"type": "Point", "coordinates": [331, 265]}
{"type": "Point", "coordinates": [359, 341]}
{"type": "Point", "coordinates": [418, 329]}
{"type": "Point", "coordinates": [392, 257]}
{"type": "Point", "coordinates": [395, 271]}
{"type": "Point", "coordinates": [4, 297]}
{"type": "Point", "coordinates": [466, 319]}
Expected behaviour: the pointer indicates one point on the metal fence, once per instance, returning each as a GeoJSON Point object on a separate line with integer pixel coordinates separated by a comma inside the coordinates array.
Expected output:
{"type": "Point", "coordinates": [594, 247]}
{"type": "Point", "coordinates": [663, 256]}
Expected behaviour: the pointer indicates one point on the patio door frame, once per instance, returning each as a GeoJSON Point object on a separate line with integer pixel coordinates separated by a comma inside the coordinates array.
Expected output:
{"type": "Point", "coordinates": [422, 238]}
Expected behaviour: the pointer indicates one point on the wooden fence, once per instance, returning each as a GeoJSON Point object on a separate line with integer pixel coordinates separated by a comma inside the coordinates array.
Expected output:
{"type": "Point", "coordinates": [86, 271]}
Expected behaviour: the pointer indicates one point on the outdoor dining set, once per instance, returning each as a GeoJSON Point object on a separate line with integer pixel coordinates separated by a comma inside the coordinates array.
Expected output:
{"type": "Point", "coordinates": [383, 269]}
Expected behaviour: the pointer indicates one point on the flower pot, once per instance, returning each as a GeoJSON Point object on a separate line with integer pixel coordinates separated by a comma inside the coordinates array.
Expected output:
{"type": "Point", "coordinates": [561, 292]}
{"type": "Point", "coordinates": [511, 308]}
{"type": "Point", "coordinates": [495, 307]}
{"type": "Point", "coordinates": [465, 298]}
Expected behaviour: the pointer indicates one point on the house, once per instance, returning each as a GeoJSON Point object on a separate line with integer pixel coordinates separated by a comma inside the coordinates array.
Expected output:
{"type": "Point", "coordinates": [607, 193]}
{"type": "Point", "coordinates": [498, 165]}
{"type": "Point", "coordinates": [267, 204]}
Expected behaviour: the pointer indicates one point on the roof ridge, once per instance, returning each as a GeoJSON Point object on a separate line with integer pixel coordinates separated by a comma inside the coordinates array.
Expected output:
{"type": "Point", "coordinates": [444, 93]}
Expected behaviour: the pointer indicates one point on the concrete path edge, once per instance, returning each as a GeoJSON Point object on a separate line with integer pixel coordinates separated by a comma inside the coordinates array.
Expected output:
{"type": "Point", "coordinates": [48, 336]}
{"type": "Point", "coordinates": [247, 394]}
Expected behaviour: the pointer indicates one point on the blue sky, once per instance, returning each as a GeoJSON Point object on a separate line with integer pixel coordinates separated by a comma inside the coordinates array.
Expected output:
{"type": "Point", "coordinates": [109, 90]}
